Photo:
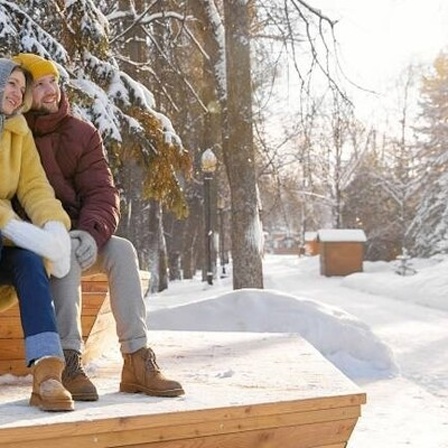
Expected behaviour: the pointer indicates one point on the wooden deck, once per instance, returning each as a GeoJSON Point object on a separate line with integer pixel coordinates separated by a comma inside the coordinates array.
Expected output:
{"type": "Point", "coordinates": [243, 390]}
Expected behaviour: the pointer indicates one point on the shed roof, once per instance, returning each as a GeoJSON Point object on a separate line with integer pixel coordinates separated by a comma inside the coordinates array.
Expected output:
{"type": "Point", "coordinates": [335, 235]}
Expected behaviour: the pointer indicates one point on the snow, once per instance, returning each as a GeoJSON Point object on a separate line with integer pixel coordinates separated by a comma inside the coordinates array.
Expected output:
{"type": "Point", "coordinates": [310, 236]}
{"type": "Point", "coordinates": [386, 332]}
{"type": "Point", "coordinates": [336, 235]}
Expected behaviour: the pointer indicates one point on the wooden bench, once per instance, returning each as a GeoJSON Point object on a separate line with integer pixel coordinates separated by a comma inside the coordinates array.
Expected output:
{"type": "Point", "coordinates": [242, 390]}
{"type": "Point", "coordinates": [98, 325]}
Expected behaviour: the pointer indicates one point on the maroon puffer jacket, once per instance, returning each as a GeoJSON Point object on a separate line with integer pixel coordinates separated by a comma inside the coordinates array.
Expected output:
{"type": "Point", "coordinates": [72, 154]}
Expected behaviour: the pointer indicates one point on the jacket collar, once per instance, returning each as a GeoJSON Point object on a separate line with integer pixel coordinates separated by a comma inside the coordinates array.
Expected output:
{"type": "Point", "coordinates": [16, 124]}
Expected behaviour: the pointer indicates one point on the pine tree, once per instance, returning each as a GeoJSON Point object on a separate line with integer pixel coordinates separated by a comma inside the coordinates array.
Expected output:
{"type": "Point", "coordinates": [76, 35]}
{"type": "Point", "coordinates": [430, 226]}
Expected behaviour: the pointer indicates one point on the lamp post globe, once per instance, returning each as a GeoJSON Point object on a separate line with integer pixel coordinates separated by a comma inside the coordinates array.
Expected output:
{"type": "Point", "coordinates": [208, 161]}
{"type": "Point", "coordinates": [208, 167]}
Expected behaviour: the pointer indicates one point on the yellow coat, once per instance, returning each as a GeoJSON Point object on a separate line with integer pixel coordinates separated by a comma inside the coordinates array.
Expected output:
{"type": "Point", "coordinates": [21, 173]}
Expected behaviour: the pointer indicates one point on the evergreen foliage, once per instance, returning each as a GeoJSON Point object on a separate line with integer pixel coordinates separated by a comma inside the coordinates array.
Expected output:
{"type": "Point", "coordinates": [76, 35]}
{"type": "Point", "coordinates": [430, 226]}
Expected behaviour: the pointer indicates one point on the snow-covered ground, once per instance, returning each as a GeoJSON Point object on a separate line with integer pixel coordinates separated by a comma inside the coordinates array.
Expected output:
{"type": "Point", "coordinates": [388, 333]}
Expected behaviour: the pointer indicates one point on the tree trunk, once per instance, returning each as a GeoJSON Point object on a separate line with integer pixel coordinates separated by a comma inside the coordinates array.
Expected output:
{"type": "Point", "coordinates": [158, 261]}
{"type": "Point", "coordinates": [134, 213]}
{"type": "Point", "coordinates": [140, 228]}
{"type": "Point", "coordinates": [239, 154]}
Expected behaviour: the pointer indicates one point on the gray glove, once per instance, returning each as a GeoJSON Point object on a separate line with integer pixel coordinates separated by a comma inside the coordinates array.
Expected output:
{"type": "Point", "coordinates": [87, 250]}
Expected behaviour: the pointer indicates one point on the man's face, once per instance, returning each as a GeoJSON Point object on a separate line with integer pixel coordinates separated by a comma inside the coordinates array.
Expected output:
{"type": "Point", "coordinates": [46, 94]}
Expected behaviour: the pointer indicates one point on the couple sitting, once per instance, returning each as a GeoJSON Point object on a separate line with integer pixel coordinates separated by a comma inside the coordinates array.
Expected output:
{"type": "Point", "coordinates": [59, 209]}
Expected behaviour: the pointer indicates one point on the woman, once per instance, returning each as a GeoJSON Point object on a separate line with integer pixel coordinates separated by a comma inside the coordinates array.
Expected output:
{"type": "Point", "coordinates": [29, 251]}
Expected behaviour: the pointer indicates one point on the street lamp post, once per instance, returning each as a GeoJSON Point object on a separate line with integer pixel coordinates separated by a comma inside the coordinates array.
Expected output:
{"type": "Point", "coordinates": [222, 259]}
{"type": "Point", "coordinates": [208, 167]}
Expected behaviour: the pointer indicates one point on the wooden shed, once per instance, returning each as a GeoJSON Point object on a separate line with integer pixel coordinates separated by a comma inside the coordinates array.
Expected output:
{"type": "Point", "coordinates": [341, 251]}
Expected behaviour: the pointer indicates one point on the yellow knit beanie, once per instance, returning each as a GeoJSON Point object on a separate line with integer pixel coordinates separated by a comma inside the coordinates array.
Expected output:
{"type": "Point", "coordinates": [36, 65]}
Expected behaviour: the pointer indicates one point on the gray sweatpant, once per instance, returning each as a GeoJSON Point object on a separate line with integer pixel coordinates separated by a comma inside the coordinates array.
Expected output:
{"type": "Point", "coordinates": [118, 260]}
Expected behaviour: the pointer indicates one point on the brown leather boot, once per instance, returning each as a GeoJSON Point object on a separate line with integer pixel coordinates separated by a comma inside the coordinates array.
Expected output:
{"type": "Point", "coordinates": [75, 379]}
{"type": "Point", "coordinates": [48, 392]}
{"type": "Point", "coordinates": [142, 374]}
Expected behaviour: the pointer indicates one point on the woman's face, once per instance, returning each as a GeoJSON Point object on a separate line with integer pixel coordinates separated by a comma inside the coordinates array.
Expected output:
{"type": "Point", "coordinates": [14, 92]}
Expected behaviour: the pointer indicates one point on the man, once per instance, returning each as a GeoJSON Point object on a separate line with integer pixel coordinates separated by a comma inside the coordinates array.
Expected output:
{"type": "Point", "coordinates": [72, 154]}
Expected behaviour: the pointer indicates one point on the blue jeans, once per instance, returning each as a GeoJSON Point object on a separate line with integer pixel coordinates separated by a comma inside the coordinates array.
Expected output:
{"type": "Point", "coordinates": [25, 270]}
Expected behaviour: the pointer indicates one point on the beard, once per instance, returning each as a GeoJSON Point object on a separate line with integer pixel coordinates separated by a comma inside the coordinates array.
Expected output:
{"type": "Point", "coordinates": [45, 109]}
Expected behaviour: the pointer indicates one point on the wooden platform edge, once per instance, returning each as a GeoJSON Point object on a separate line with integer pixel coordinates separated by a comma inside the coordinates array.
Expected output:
{"type": "Point", "coordinates": [331, 420]}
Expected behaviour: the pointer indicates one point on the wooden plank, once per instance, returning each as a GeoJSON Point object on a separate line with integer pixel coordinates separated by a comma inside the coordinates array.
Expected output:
{"type": "Point", "coordinates": [299, 430]}
{"type": "Point", "coordinates": [304, 436]}
{"type": "Point", "coordinates": [11, 312]}
{"type": "Point", "coordinates": [94, 277]}
{"type": "Point", "coordinates": [12, 349]}
{"type": "Point", "coordinates": [11, 328]}
{"type": "Point", "coordinates": [98, 281]}
{"type": "Point", "coordinates": [230, 431]}
{"type": "Point", "coordinates": [176, 419]}
{"type": "Point", "coordinates": [92, 300]}
{"type": "Point", "coordinates": [99, 321]}
{"type": "Point", "coordinates": [14, 367]}
{"type": "Point", "coordinates": [92, 305]}
{"type": "Point", "coordinates": [172, 426]}
{"type": "Point", "coordinates": [87, 323]}
{"type": "Point", "coordinates": [94, 286]}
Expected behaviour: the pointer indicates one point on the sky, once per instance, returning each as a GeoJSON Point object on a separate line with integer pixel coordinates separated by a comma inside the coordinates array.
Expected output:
{"type": "Point", "coordinates": [377, 41]}
{"type": "Point", "coordinates": [385, 332]}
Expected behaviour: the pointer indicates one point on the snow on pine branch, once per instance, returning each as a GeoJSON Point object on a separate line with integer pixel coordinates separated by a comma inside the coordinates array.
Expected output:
{"type": "Point", "coordinates": [20, 32]}
{"type": "Point", "coordinates": [104, 114]}
{"type": "Point", "coordinates": [124, 92]}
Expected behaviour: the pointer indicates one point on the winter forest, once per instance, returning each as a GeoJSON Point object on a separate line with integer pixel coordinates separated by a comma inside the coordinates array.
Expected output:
{"type": "Point", "coordinates": [164, 81]}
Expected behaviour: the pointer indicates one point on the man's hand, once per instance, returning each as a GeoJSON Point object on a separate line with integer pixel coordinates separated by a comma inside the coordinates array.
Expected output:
{"type": "Point", "coordinates": [87, 250]}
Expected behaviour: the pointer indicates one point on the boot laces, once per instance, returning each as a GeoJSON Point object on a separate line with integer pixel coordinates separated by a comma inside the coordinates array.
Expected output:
{"type": "Point", "coordinates": [150, 360]}
{"type": "Point", "coordinates": [73, 365]}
